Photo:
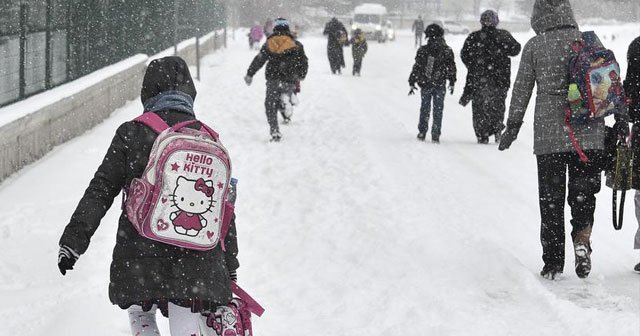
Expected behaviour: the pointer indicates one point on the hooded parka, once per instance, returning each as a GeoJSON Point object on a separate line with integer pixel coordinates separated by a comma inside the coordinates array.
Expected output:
{"type": "Point", "coordinates": [143, 271]}
{"type": "Point", "coordinates": [545, 64]}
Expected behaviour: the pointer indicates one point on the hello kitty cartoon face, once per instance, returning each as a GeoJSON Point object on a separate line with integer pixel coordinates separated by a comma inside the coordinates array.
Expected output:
{"type": "Point", "coordinates": [193, 196]}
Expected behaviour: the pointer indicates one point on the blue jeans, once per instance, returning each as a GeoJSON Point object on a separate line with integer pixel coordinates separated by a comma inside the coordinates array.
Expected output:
{"type": "Point", "coordinates": [437, 93]}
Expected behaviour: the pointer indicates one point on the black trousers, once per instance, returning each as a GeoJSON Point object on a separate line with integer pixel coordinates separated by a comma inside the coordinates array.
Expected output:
{"type": "Point", "coordinates": [583, 184]}
{"type": "Point", "coordinates": [272, 101]}
{"type": "Point", "coordinates": [357, 65]}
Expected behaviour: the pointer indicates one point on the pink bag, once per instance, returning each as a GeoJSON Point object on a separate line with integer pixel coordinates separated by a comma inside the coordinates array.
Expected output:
{"type": "Point", "coordinates": [234, 319]}
{"type": "Point", "coordinates": [181, 198]}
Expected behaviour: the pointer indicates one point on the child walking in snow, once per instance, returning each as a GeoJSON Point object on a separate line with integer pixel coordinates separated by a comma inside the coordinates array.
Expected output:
{"type": "Point", "coordinates": [358, 50]}
{"type": "Point", "coordinates": [146, 274]}
{"type": "Point", "coordinates": [433, 67]}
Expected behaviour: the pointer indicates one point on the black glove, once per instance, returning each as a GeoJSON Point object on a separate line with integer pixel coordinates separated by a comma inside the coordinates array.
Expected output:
{"type": "Point", "coordinates": [509, 135]}
{"type": "Point", "coordinates": [621, 128]}
{"type": "Point", "coordinates": [412, 89]}
{"type": "Point", "coordinates": [67, 257]}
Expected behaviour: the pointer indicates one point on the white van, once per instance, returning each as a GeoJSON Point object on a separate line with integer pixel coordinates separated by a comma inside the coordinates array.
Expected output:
{"type": "Point", "coordinates": [371, 18]}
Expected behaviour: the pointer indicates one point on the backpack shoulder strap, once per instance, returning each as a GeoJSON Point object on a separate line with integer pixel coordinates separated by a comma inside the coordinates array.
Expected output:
{"type": "Point", "coordinates": [152, 121]}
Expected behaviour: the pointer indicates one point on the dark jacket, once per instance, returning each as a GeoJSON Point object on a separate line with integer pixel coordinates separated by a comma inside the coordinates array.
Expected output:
{"type": "Point", "coordinates": [358, 46]}
{"type": "Point", "coordinates": [632, 80]}
{"type": "Point", "coordinates": [334, 29]}
{"type": "Point", "coordinates": [434, 65]}
{"type": "Point", "coordinates": [144, 271]}
{"type": "Point", "coordinates": [418, 27]}
{"type": "Point", "coordinates": [285, 58]}
{"type": "Point", "coordinates": [486, 54]}
{"type": "Point", "coordinates": [632, 90]}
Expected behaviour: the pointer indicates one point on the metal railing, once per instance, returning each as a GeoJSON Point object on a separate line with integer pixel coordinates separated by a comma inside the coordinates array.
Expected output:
{"type": "Point", "coordinates": [44, 43]}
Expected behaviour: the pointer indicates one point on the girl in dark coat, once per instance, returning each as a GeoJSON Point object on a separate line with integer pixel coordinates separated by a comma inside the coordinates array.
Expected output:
{"type": "Point", "coordinates": [146, 274]}
{"type": "Point", "coordinates": [632, 89]}
{"type": "Point", "coordinates": [337, 38]}
{"type": "Point", "coordinates": [433, 67]}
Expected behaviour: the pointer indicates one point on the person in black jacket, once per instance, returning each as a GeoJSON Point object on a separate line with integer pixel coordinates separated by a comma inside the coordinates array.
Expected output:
{"type": "Point", "coordinates": [433, 67]}
{"type": "Point", "coordinates": [486, 55]}
{"type": "Point", "coordinates": [632, 90]}
{"type": "Point", "coordinates": [418, 29]}
{"type": "Point", "coordinates": [358, 50]}
{"type": "Point", "coordinates": [337, 39]}
{"type": "Point", "coordinates": [287, 64]}
{"type": "Point", "coordinates": [146, 274]}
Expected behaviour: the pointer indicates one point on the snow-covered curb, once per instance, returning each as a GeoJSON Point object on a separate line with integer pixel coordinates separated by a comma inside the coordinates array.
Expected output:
{"type": "Point", "coordinates": [32, 127]}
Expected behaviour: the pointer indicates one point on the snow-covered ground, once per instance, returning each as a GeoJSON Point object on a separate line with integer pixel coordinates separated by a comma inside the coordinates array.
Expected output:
{"type": "Point", "coordinates": [349, 226]}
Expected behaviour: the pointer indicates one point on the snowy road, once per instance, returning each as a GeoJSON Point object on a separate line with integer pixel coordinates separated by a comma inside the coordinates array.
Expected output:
{"type": "Point", "coordinates": [349, 226]}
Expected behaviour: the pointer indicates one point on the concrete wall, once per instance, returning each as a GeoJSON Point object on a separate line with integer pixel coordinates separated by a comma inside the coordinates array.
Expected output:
{"type": "Point", "coordinates": [29, 138]}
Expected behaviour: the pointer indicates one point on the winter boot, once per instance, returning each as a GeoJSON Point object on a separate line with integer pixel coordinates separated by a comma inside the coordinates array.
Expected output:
{"type": "Point", "coordinates": [637, 268]}
{"type": "Point", "coordinates": [287, 106]}
{"type": "Point", "coordinates": [276, 136]}
{"type": "Point", "coordinates": [435, 139]}
{"type": "Point", "coordinates": [421, 136]}
{"type": "Point", "coordinates": [582, 250]}
{"type": "Point", "coordinates": [483, 140]}
{"type": "Point", "coordinates": [551, 272]}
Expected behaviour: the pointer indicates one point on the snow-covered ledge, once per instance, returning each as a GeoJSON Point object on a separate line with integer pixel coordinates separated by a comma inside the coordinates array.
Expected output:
{"type": "Point", "coordinates": [31, 128]}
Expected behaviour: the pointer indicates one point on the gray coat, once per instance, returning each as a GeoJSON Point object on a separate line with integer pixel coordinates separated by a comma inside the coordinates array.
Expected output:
{"type": "Point", "coordinates": [544, 63]}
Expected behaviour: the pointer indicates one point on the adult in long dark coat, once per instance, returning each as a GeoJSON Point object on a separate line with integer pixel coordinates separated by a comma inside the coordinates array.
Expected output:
{"type": "Point", "coordinates": [486, 54]}
{"type": "Point", "coordinates": [632, 89]}
{"type": "Point", "coordinates": [337, 38]}
{"type": "Point", "coordinates": [146, 274]}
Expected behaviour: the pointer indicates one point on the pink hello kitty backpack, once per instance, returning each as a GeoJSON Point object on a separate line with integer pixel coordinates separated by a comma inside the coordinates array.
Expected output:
{"type": "Point", "coordinates": [181, 198]}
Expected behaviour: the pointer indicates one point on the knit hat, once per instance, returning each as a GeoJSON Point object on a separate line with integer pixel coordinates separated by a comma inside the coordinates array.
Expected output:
{"type": "Point", "coordinates": [489, 18]}
{"type": "Point", "coordinates": [167, 74]}
{"type": "Point", "coordinates": [433, 30]}
{"type": "Point", "coordinates": [281, 24]}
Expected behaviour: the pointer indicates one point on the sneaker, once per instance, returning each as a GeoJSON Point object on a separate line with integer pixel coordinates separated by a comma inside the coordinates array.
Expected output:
{"type": "Point", "coordinates": [421, 136]}
{"type": "Point", "coordinates": [551, 272]}
{"type": "Point", "coordinates": [276, 136]}
{"type": "Point", "coordinates": [583, 260]}
{"type": "Point", "coordinates": [286, 120]}
{"type": "Point", "coordinates": [435, 139]}
{"type": "Point", "coordinates": [637, 268]}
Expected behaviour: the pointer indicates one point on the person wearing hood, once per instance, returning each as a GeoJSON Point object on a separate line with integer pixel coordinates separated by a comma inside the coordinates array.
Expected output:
{"type": "Point", "coordinates": [545, 64]}
{"type": "Point", "coordinates": [632, 90]}
{"type": "Point", "coordinates": [337, 38]}
{"type": "Point", "coordinates": [146, 274]}
{"type": "Point", "coordinates": [486, 54]}
{"type": "Point", "coordinates": [434, 65]}
{"type": "Point", "coordinates": [358, 50]}
{"type": "Point", "coordinates": [287, 64]}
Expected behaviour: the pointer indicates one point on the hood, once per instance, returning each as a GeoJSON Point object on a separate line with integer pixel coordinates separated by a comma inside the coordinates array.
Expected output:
{"type": "Point", "coordinates": [167, 74]}
{"type": "Point", "coordinates": [279, 44]}
{"type": "Point", "coordinates": [552, 14]}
